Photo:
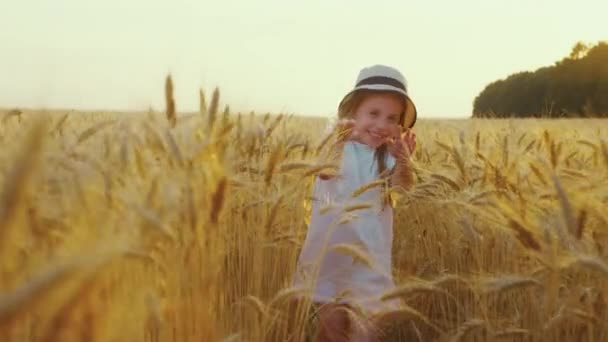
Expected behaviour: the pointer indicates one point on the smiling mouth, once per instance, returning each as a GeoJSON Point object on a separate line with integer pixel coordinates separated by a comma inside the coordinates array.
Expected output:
{"type": "Point", "coordinates": [377, 136]}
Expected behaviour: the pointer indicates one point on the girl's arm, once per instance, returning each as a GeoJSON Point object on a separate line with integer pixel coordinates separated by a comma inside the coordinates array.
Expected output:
{"type": "Point", "coordinates": [402, 175]}
{"type": "Point", "coordinates": [401, 148]}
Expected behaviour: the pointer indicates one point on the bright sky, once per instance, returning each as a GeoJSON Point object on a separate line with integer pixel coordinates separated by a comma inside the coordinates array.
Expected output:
{"type": "Point", "coordinates": [277, 55]}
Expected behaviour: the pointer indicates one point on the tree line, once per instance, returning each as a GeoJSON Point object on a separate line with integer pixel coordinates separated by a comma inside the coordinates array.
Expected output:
{"type": "Point", "coordinates": [576, 86]}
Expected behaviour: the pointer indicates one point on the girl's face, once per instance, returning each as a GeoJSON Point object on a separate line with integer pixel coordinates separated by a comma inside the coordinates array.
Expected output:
{"type": "Point", "coordinates": [377, 118]}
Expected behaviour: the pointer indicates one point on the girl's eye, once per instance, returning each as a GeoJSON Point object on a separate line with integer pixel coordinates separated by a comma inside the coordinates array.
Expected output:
{"type": "Point", "coordinates": [373, 113]}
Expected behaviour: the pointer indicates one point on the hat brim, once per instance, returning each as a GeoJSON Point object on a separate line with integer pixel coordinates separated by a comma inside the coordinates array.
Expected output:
{"type": "Point", "coordinates": [411, 113]}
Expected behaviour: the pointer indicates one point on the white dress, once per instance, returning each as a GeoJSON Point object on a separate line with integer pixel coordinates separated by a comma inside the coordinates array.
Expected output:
{"type": "Point", "coordinates": [339, 276]}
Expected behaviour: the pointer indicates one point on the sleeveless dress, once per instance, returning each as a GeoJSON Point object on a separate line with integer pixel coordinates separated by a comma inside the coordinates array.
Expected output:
{"type": "Point", "coordinates": [335, 275]}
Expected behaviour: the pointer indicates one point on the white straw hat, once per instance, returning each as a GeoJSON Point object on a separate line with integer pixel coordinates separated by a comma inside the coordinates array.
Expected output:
{"type": "Point", "coordinates": [386, 78]}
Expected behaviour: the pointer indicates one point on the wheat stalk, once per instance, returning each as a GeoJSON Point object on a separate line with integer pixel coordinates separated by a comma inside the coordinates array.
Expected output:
{"type": "Point", "coordinates": [89, 132]}
{"type": "Point", "coordinates": [511, 333]}
{"type": "Point", "coordinates": [326, 169]}
{"type": "Point", "coordinates": [371, 185]}
{"type": "Point", "coordinates": [293, 166]}
{"type": "Point", "coordinates": [170, 102]}
{"type": "Point", "coordinates": [274, 211]}
{"type": "Point", "coordinates": [507, 283]}
{"type": "Point", "coordinates": [257, 304]}
{"type": "Point", "coordinates": [46, 283]}
{"type": "Point", "coordinates": [604, 148]}
{"type": "Point", "coordinates": [286, 294]}
{"type": "Point", "coordinates": [358, 254]}
{"type": "Point", "coordinates": [585, 261]}
{"type": "Point", "coordinates": [468, 327]}
{"type": "Point", "coordinates": [17, 182]}
{"type": "Point", "coordinates": [567, 211]}
{"type": "Point", "coordinates": [275, 156]}
{"type": "Point", "coordinates": [524, 235]}
{"type": "Point", "coordinates": [213, 109]}
{"type": "Point", "coordinates": [60, 124]}
{"type": "Point", "coordinates": [412, 288]}
{"type": "Point", "coordinates": [217, 200]}
{"type": "Point", "coordinates": [407, 312]}
{"type": "Point", "coordinates": [358, 206]}
{"type": "Point", "coordinates": [447, 180]}
{"type": "Point", "coordinates": [538, 173]}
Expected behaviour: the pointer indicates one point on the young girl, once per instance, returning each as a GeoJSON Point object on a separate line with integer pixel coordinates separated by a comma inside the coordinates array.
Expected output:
{"type": "Point", "coordinates": [374, 142]}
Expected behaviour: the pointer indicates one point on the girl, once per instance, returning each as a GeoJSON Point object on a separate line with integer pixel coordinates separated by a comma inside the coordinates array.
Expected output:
{"type": "Point", "coordinates": [374, 142]}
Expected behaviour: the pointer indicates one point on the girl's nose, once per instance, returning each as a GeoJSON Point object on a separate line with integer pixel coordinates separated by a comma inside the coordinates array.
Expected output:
{"type": "Point", "coordinates": [384, 126]}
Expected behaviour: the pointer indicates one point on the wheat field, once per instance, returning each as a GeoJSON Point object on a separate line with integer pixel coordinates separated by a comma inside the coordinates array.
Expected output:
{"type": "Point", "coordinates": [186, 227]}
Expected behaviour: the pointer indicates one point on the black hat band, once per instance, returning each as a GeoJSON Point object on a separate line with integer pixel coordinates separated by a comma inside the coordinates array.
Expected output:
{"type": "Point", "coordinates": [381, 80]}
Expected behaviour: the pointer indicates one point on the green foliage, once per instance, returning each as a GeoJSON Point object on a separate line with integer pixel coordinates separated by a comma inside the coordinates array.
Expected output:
{"type": "Point", "coordinates": [576, 86]}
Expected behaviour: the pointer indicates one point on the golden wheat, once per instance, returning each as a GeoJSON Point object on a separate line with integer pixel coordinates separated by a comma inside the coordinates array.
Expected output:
{"type": "Point", "coordinates": [211, 212]}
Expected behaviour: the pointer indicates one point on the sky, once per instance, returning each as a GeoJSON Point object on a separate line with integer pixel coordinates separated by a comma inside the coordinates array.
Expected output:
{"type": "Point", "coordinates": [279, 56]}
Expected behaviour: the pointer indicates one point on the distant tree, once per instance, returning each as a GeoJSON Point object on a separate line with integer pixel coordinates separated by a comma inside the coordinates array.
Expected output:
{"type": "Point", "coordinates": [579, 50]}
{"type": "Point", "coordinates": [575, 86]}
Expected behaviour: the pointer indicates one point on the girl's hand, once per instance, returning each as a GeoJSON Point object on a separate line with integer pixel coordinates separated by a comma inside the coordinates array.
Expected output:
{"type": "Point", "coordinates": [402, 147]}
{"type": "Point", "coordinates": [403, 144]}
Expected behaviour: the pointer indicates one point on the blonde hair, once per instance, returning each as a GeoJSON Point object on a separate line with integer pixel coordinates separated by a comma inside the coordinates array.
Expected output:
{"type": "Point", "coordinates": [347, 109]}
